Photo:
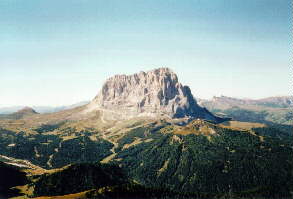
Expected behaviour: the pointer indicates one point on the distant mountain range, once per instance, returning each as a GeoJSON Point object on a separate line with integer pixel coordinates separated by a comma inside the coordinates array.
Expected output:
{"type": "Point", "coordinates": [266, 110]}
{"type": "Point", "coordinates": [224, 102]}
{"type": "Point", "coordinates": [221, 103]}
{"type": "Point", "coordinates": [41, 109]}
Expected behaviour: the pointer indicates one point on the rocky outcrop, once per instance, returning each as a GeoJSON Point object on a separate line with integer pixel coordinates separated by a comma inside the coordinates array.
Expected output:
{"type": "Point", "coordinates": [156, 93]}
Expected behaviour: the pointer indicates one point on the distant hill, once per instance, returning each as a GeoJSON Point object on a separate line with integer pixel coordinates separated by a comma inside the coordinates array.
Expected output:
{"type": "Point", "coordinates": [24, 112]}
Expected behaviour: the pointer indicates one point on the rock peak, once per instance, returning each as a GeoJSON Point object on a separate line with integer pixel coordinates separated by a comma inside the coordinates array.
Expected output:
{"type": "Point", "coordinates": [159, 72]}
{"type": "Point", "coordinates": [155, 93]}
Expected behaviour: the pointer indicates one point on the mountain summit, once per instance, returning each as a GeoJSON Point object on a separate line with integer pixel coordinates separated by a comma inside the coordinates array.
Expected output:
{"type": "Point", "coordinates": [156, 93]}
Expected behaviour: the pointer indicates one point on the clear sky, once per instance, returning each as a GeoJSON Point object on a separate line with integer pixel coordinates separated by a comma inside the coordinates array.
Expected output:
{"type": "Point", "coordinates": [57, 52]}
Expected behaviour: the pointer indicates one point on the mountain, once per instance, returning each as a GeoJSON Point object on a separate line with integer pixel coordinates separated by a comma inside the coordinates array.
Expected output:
{"type": "Point", "coordinates": [156, 93]}
{"type": "Point", "coordinates": [272, 110]}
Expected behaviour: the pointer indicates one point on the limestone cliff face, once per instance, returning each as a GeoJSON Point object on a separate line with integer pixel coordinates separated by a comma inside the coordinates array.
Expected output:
{"type": "Point", "coordinates": [154, 93]}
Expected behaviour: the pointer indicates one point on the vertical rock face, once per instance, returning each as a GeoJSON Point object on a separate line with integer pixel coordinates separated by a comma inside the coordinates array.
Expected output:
{"type": "Point", "coordinates": [155, 93]}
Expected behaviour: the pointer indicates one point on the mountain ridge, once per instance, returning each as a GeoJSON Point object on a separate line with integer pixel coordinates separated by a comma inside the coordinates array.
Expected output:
{"type": "Point", "coordinates": [269, 110]}
{"type": "Point", "coordinates": [273, 101]}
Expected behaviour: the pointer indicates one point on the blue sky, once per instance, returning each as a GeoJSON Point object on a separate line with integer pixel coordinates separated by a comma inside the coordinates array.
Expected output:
{"type": "Point", "coordinates": [60, 52]}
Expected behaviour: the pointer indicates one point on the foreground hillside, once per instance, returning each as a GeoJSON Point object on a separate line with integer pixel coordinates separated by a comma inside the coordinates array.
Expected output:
{"type": "Point", "coordinates": [205, 158]}
{"type": "Point", "coordinates": [198, 159]}
{"type": "Point", "coordinates": [10, 176]}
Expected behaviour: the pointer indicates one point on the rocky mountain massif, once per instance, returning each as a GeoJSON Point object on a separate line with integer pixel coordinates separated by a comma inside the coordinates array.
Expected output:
{"type": "Point", "coordinates": [146, 137]}
{"type": "Point", "coordinates": [156, 93]}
